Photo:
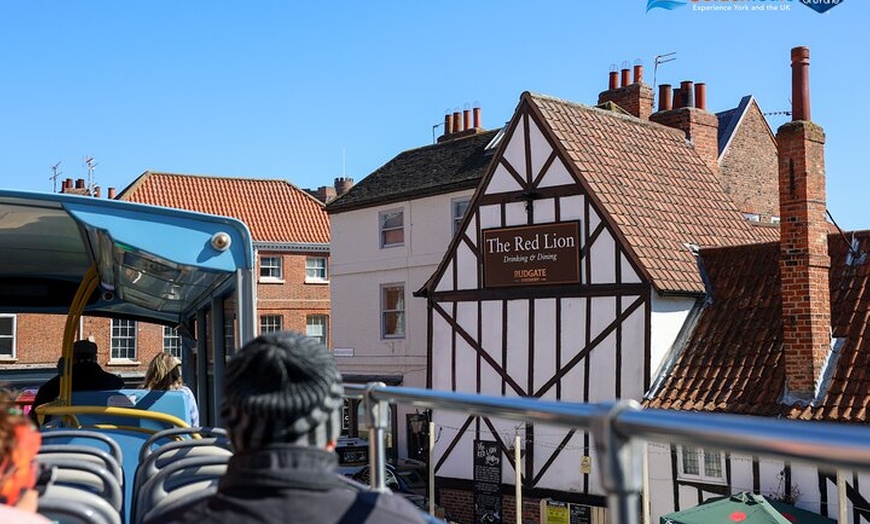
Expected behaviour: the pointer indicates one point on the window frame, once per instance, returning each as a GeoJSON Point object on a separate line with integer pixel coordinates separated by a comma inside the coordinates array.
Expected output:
{"type": "Point", "coordinates": [12, 336]}
{"type": "Point", "coordinates": [383, 216]}
{"type": "Point", "coordinates": [400, 312]}
{"type": "Point", "coordinates": [263, 319]}
{"type": "Point", "coordinates": [324, 338]}
{"type": "Point", "coordinates": [317, 278]}
{"type": "Point", "coordinates": [701, 456]}
{"type": "Point", "coordinates": [128, 326]}
{"type": "Point", "coordinates": [279, 267]}
{"type": "Point", "coordinates": [170, 334]}
{"type": "Point", "coordinates": [457, 220]}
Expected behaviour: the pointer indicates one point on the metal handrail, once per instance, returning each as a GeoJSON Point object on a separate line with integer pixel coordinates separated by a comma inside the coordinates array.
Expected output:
{"type": "Point", "coordinates": [620, 427]}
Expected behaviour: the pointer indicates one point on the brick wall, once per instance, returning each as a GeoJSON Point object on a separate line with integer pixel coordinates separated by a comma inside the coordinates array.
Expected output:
{"type": "Point", "coordinates": [701, 128]}
{"type": "Point", "coordinates": [636, 98]}
{"type": "Point", "coordinates": [804, 260]}
{"type": "Point", "coordinates": [748, 170]}
{"type": "Point", "coordinates": [459, 505]}
{"type": "Point", "coordinates": [293, 299]}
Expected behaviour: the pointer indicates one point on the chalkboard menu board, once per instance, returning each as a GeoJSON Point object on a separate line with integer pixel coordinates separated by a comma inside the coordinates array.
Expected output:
{"type": "Point", "coordinates": [487, 482]}
{"type": "Point", "coordinates": [579, 514]}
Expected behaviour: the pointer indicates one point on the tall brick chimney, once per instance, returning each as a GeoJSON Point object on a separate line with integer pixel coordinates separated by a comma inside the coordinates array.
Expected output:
{"type": "Point", "coordinates": [804, 263]}
{"type": "Point", "coordinates": [635, 97]}
{"type": "Point", "coordinates": [690, 115]}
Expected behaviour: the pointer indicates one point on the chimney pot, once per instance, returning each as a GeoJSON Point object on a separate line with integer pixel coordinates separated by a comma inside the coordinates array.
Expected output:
{"type": "Point", "coordinates": [626, 76]}
{"type": "Point", "coordinates": [448, 123]}
{"type": "Point", "coordinates": [678, 99]}
{"type": "Point", "coordinates": [456, 121]}
{"type": "Point", "coordinates": [111, 193]}
{"type": "Point", "coordinates": [665, 97]}
{"type": "Point", "coordinates": [687, 98]}
{"type": "Point", "coordinates": [97, 191]}
{"type": "Point", "coordinates": [476, 111]}
{"type": "Point", "coordinates": [80, 183]}
{"type": "Point", "coordinates": [701, 96]}
{"type": "Point", "coordinates": [613, 80]}
{"type": "Point", "coordinates": [800, 83]}
{"type": "Point", "coordinates": [466, 119]}
{"type": "Point", "coordinates": [638, 74]}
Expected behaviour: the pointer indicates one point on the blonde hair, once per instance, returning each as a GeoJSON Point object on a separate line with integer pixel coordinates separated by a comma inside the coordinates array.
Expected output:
{"type": "Point", "coordinates": [164, 372]}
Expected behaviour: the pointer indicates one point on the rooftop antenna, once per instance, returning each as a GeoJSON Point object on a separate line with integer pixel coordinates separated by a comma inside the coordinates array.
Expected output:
{"type": "Point", "coordinates": [89, 161]}
{"type": "Point", "coordinates": [55, 172]}
{"type": "Point", "coordinates": [661, 59]}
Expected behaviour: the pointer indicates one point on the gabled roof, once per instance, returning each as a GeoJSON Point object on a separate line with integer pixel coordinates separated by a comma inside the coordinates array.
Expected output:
{"type": "Point", "coordinates": [732, 361]}
{"type": "Point", "coordinates": [729, 120]}
{"type": "Point", "coordinates": [438, 168]}
{"type": "Point", "coordinates": [273, 210]}
{"type": "Point", "coordinates": [652, 185]}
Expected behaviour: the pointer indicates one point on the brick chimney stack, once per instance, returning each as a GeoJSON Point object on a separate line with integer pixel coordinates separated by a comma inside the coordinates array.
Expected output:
{"type": "Point", "coordinates": [804, 263]}
{"type": "Point", "coordinates": [461, 124]}
{"type": "Point", "coordinates": [635, 97]}
{"type": "Point", "coordinates": [689, 114]}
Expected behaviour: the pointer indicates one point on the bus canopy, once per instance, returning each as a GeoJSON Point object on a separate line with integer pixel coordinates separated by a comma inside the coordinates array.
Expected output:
{"type": "Point", "coordinates": [154, 264]}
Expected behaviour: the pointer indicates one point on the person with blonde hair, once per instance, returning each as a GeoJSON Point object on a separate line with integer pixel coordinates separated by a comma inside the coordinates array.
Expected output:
{"type": "Point", "coordinates": [164, 374]}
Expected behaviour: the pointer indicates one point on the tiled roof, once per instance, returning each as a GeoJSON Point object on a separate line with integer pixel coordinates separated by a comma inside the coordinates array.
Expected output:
{"type": "Point", "coordinates": [653, 185]}
{"type": "Point", "coordinates": [732, 360]}
{"type": "Point", "coordinates": [729, 120]}
{"type": "Point", "coordinates": [274, 210]}
{"type": "Point", "coordinates": [438, 168]}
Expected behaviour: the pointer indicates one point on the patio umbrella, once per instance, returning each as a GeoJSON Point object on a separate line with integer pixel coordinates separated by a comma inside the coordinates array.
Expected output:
{"type": "Point", "coordinates": [744, 508]}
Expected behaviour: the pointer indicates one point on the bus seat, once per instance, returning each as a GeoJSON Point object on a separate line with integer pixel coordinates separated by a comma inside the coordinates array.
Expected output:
{"type": "Point", "coordinates": [175, 476]}
{"type": "Point", "coordinates": [56, 496]}
{"type": "Point", "coordinates": [85, 476]}
{"type": "Point", "coordinates": [93, 439]}
{"type": "Point", "coordinates": [179, 434]}
{"type": "Point", "coordinates": [57, 509]}
{"type": "Point", "coordinates": [83, 453]}
{"type": "Point", "coordinates": [187, 494]}
{"type": "Point", "coordinates": [173, 403]}
{"type": "Point", "coordinates": [174, 451]}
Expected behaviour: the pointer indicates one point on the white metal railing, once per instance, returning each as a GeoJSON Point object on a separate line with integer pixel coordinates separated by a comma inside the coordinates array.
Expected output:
{"type": "Point", "coordinates": [619, 430]}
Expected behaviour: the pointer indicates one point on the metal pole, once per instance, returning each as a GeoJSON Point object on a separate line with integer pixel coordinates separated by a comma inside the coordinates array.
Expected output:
{"type": "Point", "coordinates": [621, 463]}
{"type": "Point", "coordinates": [842, 514]}
{"type": "Point", "coordinates": [519, 479]}
{"type": "Point", "coordinates": [431, 466]}
{"type": "Point", "coordinates": [376, 416]}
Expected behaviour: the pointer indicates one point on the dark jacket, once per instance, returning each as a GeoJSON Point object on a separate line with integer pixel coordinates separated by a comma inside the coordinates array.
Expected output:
{"type": "Point", "coordinates": [86, 376]}
{"type": "Point", "coordinates": [290, 484]}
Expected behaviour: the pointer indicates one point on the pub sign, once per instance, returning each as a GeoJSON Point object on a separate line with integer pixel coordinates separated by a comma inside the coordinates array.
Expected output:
{"type": "Point", "coordinates": [541, 254]}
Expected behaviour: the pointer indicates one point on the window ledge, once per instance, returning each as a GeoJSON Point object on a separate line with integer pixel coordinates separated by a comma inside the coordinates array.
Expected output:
{"type": "Point", "coordinates": [123, 362]}
{"type": "Point", "coordinates": [8, 360]}
{"type": "Point", "coordinates": [271, 281]}
{"type": "Point", "coordinates": [316, 281]}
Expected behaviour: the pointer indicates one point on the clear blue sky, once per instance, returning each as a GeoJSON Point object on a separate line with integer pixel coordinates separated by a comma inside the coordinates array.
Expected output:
{"type": "Point", "coordinates": [307, 91]}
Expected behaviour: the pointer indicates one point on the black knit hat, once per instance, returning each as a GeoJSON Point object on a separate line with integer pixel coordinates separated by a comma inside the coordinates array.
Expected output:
{"type": "Point", "coordinates": [282, 387]}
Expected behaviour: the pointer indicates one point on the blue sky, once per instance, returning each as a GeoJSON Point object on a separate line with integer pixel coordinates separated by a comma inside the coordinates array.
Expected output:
{"type": "Point", "coordinates": [315, 90]}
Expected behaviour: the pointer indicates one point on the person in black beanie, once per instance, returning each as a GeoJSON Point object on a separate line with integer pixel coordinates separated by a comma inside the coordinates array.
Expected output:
{"type": "Point", "coordinates": [281, 407]}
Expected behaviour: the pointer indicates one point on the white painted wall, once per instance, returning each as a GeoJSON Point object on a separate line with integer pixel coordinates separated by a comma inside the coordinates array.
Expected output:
{"type": "Point", "coordinates": [668, 316]}
{"type": "Point", "coordinates": [359, 267]}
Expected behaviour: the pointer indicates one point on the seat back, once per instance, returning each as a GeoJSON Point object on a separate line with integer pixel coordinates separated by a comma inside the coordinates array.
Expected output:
{"type": "Point", "coordinates": [187, 494]}
{"type": "Point", "coordinates": [171, 402]}
{"type": "Point", "coordinates": [175, 434]}
{"type": "Point", "coordinates": [83, 437]}
{"type": "Point", "coordinates": [83, 453]}
{"type": "Point", "coordinates": [57, 509]}
{"type": "Point", "coordinates": [58, 495]}
{"type": "Point", "coordinates": [173, 452]}
{"type": "Point", "coordinates": [176, 476]}
{"type": "Point", "coordinates": [85, 476]}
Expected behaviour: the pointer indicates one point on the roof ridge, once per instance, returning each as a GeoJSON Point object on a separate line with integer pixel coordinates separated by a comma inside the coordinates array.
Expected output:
{"type": "Point", "coordinates": [217, 177]}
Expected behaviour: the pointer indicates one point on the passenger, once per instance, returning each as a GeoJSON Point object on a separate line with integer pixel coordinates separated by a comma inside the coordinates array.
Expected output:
{"type": "Point", "coordinates": [164, 374]}
{"type": "Point", "coordinates": [87, 376]}
{"type": "Point", "coordinates": [19, 443]}
{"type": "Point", "coordinates": [281, 406]}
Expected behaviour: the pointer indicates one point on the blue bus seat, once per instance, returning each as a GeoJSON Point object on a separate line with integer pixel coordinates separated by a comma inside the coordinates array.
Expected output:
{"type": "Point", "coordinates": [173, 403]}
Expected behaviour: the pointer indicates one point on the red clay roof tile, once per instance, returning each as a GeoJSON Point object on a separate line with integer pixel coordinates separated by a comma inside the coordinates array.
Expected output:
{"type": "Point", "coordinates": [274, 210]}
